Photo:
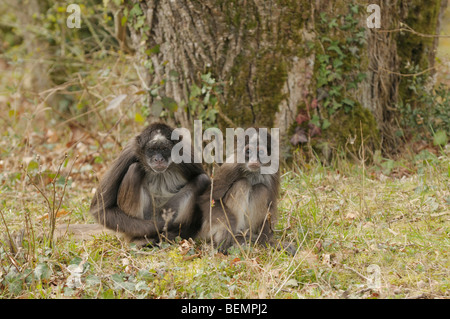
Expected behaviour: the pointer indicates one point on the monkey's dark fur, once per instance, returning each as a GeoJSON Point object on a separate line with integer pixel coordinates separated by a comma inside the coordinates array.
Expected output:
{"type": "Point", "coordinates": [244, 204]}
{"type": "Point", "coordinates": [145, 195]}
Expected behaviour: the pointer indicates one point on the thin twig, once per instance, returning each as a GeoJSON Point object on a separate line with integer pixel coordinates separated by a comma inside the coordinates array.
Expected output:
{"type": "Point", "coordinates": [411, 30]}
{"type": "Point", "coordinates": [63, 193]}
{"type": "Point", "coordinates": [11, 242]}
{"type": "Point", "coordinates": [403, 74]}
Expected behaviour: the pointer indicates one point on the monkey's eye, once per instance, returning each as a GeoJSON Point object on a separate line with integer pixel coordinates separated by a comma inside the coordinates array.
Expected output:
{"type": "Point", "coordinates": [250, 153]}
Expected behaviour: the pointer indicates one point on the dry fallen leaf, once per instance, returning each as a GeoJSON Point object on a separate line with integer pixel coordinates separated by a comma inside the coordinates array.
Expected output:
{"type": "Point", "coordinates": [291, 283]}
{"type": "Point", "coordinates": [235, 261]}
{"type": "Point", "coordinates": [185, 246]}
{"type": "Point", "coordinates": [116, 102]}
{"type": "Point", "coordinates": [61, 212]}
{"type": "Point", "coordinates": [308, 256]}
{"type": "Point", "coordinates": [186, 258]}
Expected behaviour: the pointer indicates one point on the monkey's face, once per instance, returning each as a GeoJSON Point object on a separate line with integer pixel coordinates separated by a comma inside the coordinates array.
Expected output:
{"type": "Point", "coordinates": [157, 152]}
{"type": "Point", "coordinates": [254, 157]}
{"type": "Point", "coordinates": [158, 159]}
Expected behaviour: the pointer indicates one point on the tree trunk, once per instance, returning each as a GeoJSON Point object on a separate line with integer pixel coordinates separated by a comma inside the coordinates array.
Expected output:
{"type": "Point", "coordinates": [255, 47]}
{"type": "Point", "coordinates": [392, 56]}
{"type": "Point", "coordinates": [311, 68]}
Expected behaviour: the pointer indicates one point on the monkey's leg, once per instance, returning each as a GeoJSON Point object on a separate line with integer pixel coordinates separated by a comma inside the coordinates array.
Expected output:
{"type": "Point", "coordinates": [123, 211]}
{"type": "Point", "coordinates": [263, 212]}
{"type": "Point", "coordinates": [229, 216]}
{"type": "Point", "coordinates": [223, 226]}
{"type": "Point", "coordinates": [237, 201]}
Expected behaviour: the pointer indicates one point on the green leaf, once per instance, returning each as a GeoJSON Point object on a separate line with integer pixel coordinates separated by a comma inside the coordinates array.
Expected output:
{"type": "Point", "coordinates": [108, 294]}
{"type": "Point", "coordinates": [139, 118]}
{"type": "Point", "coordinates": [206, 98]}
{"type": "Point", "coordinates": [315, 120]}
{"type": "Point", "coordinates": [124, 20]}
{"type": "Point", "coordinates": [14, 282]}
{"type": "Point", "coordinates": [335, 47]}
{"type": "Point", "coordinates": [336, 105]}
{"type": "Point", "coordinates": [136, 10]}
{"type": "Point", "coordinates": [440, 138]}
{"type": "Point", "coordinates": [354, 8]}
{"type": "Point", "coordinates": [169, 103]}
{"type": "Point", "coordinates": [98, 160]}
{"type": "Point", "coordinates": [145, 274]}
{"type": "Point", "coordinates": [333, 23]}
{"type": "Point", "coordinates": [337, 63]}
{"type": "Point", "coordinates": [154, 50]}
{"type": "Point", "coordinates": [154, 92]}
{"type": "Point", "coordinates": [139, 22]}
{"type": "Point", "coordinates": [195, 91]}
{"type": "Point", "coordinates": [323, 58]}
{"type": "Point", "coordinates": [349, 102]}
{"type": "Point", "coordinates": [92, 280]}
{"type": "Point", "coordinates": [208, 79]}
{"type": "Point", "coordinates": [325, 124]}
{"type": "Point", "coordinates": [42, 271]}
{"type": "Point", "coordinates": [33, 165]}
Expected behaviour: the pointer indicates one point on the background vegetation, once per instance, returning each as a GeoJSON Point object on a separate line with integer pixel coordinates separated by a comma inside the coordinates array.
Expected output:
{"type": "Point", "coordinates": [370, 221]}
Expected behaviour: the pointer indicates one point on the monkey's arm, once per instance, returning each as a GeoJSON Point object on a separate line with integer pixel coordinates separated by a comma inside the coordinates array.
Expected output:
{"type": "Point", "coordinates": [132, 198]}
{"type": "Point", "coordinates": [224, 179]}
{"type": "Point", "coordinates": [110, 183]}
{"type": "Point", "coordinates": [184, 203]}
{"type": "Point", "coordinates": [118, 204]}
{"type": "Point", "coordinates": [198, 184]}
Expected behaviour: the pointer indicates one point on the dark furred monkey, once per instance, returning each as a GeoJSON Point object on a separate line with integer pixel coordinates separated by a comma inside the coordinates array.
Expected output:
{"type": "Point", "coordinates": [144, 194]}
{"type": "Point", "coordinates": [244, 201]}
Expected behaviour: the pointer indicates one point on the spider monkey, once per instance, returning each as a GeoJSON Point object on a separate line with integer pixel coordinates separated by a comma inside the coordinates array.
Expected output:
{"type": "Point", "coordinates": [144, 194]}
{"type": "Point", "coordinates": [244, 201]}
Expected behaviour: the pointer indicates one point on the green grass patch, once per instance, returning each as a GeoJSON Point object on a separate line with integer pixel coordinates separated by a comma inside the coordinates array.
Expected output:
{"type": "Point", "coordinates": [360, 233]}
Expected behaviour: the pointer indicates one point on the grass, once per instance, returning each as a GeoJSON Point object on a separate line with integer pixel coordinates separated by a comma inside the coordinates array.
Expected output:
{"type": "Point", "coordinates": [347, 221]}
{"type": "Point", "coordinates": [378, 231]}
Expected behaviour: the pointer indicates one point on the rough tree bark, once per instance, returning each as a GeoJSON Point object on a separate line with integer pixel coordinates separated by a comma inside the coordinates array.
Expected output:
{"type": "Point", "coordinates": [390, 52]}
{"type": "Point", "coordinates": [255, 47]}
{"type": "Point", "coordinates": [265, 52]}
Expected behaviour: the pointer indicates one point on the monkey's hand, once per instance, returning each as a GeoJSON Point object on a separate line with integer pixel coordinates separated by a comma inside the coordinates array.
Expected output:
{"type": "Point", "coordinates": [183, 203]}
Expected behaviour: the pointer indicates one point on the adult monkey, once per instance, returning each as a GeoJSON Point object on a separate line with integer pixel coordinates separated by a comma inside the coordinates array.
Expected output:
{"type": "Point", "coordinates": [145, 195]}
{"type": "Point", "coordinates": [244, 196]}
